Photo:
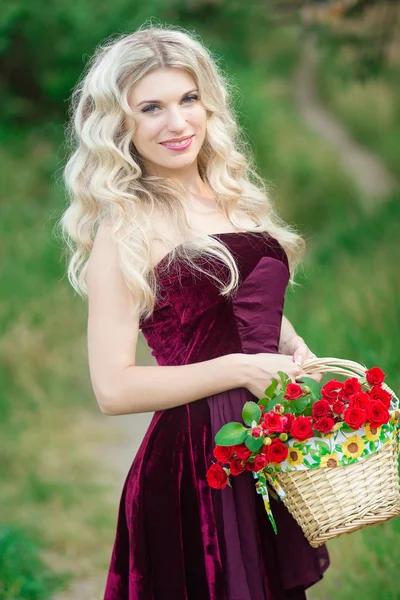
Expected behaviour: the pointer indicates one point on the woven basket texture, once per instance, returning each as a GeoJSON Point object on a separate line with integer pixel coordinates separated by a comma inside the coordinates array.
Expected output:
{"type": "Point", "coordinates": [329, 502]}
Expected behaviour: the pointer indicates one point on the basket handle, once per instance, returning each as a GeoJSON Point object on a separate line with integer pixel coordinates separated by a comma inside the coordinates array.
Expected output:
{"type": "Point", "coordinates": [340, 366]}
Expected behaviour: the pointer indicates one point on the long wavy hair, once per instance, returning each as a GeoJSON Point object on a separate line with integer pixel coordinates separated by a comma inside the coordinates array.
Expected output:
{"type": "Point", "coordinates": [105, 178]}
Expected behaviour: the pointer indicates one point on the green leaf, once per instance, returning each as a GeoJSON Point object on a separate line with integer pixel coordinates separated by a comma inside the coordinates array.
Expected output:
{"type": "Point", "coordinates": [314, 386]}
{"type": "Point", "coordinates": [338, 448]}
{"type": "Point", "coordinates": [271, 388]}
{"type": "Point", "coordinates": [299, 404]}
{"type": "Point", "coordinates": [315, 454]}
{"type": "Point", "coordinates": [254, 444]}
{"type": "Point", "coordinates": [231, 434]}
{"type": "Point", "coordinates": [325, 448]}
{"type": "Point", "coordinates": [276, 400]}
{"type": "Point", "coordinates": [300, 446]}
{"type": "Point", "coordinates": [308, 410]}
{"type": "Point", "coordinates": [347, 428]}
{"type": "Point", "coordinates": [251, 412]}
{"type": "Point", "coordinates": [263, 402]}
{"type": "Point", "coordinates": [285, 379]}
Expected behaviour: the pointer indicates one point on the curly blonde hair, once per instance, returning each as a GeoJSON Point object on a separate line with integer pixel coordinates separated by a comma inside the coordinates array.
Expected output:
{"type": "Point", "coordinates": [104, 175]}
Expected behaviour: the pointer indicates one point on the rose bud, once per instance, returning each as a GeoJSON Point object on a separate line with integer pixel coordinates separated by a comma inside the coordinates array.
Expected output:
{"type": "Point", "coordinates": [267, 441]}
{"type": "Point", "coordinates": [284, 437]}
{"type": "Point", "coordinates": [256, 432]}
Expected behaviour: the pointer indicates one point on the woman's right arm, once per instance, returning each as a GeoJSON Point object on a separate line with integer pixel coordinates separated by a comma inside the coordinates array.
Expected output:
{"type": "Point", "coordinates": [119, 385]}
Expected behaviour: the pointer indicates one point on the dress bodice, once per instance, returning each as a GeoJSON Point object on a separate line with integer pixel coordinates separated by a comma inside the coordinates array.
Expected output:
{"type": "Point", "coordinates": [193, 322]}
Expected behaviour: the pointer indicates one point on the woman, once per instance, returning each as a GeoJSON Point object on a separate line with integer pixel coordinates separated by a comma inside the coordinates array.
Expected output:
{"type": "Point", "coordinates": [172, 233]}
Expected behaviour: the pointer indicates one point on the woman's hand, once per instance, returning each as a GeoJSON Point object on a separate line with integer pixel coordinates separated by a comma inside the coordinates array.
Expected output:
{"type": "Point", "coordinates": [302, 352]}
{"type": "Point", "coordinates": [262, 367]}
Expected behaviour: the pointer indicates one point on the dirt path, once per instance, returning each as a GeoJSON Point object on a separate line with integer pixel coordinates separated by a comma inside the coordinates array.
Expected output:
{"type": "Point", "coordinates": [374, 180]}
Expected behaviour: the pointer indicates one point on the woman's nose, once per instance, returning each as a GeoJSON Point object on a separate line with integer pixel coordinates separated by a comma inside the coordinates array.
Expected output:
{"type": "Point", "coordinates": [176, 120]}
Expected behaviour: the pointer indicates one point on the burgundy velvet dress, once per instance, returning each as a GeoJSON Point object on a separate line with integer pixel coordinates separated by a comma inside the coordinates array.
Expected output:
{"type": "Point", "coordinates": [177, 538]}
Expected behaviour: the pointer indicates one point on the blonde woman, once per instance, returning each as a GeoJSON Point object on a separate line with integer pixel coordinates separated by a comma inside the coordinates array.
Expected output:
{"type": "Point", "coordinates": [172, 233]}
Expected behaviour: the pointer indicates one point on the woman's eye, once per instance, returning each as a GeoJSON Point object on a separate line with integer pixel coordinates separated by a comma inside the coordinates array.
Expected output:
{"type": "Point", "coordinates": [193, 97]}
{"type": "Point", "coordinates": [148, 108]}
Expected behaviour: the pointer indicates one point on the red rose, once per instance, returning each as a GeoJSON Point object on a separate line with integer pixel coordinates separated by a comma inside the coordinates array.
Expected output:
{"type": "Point", "coordinates": [217, 477]}
{"type": "Point", "coordinates": [223, 453]}
{"type": "Point", "coordinates": [242, 451]}
{"type": "Point", "coordinates": [260, 462]}
{"type": "Point", "coordinates": [293, 391]}
{"type": "Point", "coordinates": [351, 388]}
{"type": "Point", "coordinates": [338, 407]}
{"type": "Point", "coordinates": [251, 466]}
{"type": "Point", "coordinates": [236, 466]}
{"type": "Point", "coordinates": [375, 376]}
{"type": "Point", "coordinates": [273, 422]}
{"type": "Point", "coordinates": [287, 421]}
{"type": "Point", "coordinates": [302, 428]}
{"type": "Point", "coordinates": [355, 417]}
{"type": "Point", "coordinates": [321, 408]}
{"type": "Point", "coordinates": [331, 389]}
{"type": "Point", "coordinates": [378, 393]}
{"type": "Point", "coordinates": [360, 401]}
{"type": "Point", "coordinates": [377, 413]}
{"type": "Point", "coordinates": [277, 451]}
{"type": "Point", "coordinates": [324, 424]}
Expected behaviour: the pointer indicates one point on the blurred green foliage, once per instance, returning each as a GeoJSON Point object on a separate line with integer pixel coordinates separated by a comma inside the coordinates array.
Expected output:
{"type": "Point", "coordinates": [23, 574]}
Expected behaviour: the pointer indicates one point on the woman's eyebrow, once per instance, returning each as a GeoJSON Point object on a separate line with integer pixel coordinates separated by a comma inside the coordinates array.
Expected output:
{"type": "Point", "coordinates": [160, 102]}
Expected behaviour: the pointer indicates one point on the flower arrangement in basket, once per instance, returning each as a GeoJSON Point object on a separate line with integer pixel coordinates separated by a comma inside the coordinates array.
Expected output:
{"type": "Point", "coordinates": [330, 452]}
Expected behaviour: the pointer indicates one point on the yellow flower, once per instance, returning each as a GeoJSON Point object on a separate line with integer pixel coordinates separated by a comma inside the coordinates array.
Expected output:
{"type": "Point", "coordinates": [372, 434]}
{"type": "Point", "coordinates": [295, 457]}
{"type": "Point", "coordinates": [330, 460]}
{"type": "Point", "coordinates": [328, 436]}
{"type": "Point", "coordinates": [353, 447]}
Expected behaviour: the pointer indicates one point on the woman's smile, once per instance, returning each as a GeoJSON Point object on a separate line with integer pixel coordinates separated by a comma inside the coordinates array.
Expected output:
{"type": "Point", "coordinates": [185, 143]}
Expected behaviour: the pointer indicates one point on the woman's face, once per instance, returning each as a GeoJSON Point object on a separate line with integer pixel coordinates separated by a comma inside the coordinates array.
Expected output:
{"type": "Point", "coordinates": [167, 107]}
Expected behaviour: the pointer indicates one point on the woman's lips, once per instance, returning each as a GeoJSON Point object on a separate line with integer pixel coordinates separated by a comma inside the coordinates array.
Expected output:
{"type": "Point", "coordinates": [175, 146]}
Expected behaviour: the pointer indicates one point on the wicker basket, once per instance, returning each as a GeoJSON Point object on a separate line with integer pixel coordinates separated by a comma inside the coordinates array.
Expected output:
{"type": "Point", "coordinates": [328, 502]}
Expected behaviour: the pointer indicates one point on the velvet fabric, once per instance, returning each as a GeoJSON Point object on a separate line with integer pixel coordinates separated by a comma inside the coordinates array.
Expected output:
{"type": "Point", "coordinates": [177, 538]}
